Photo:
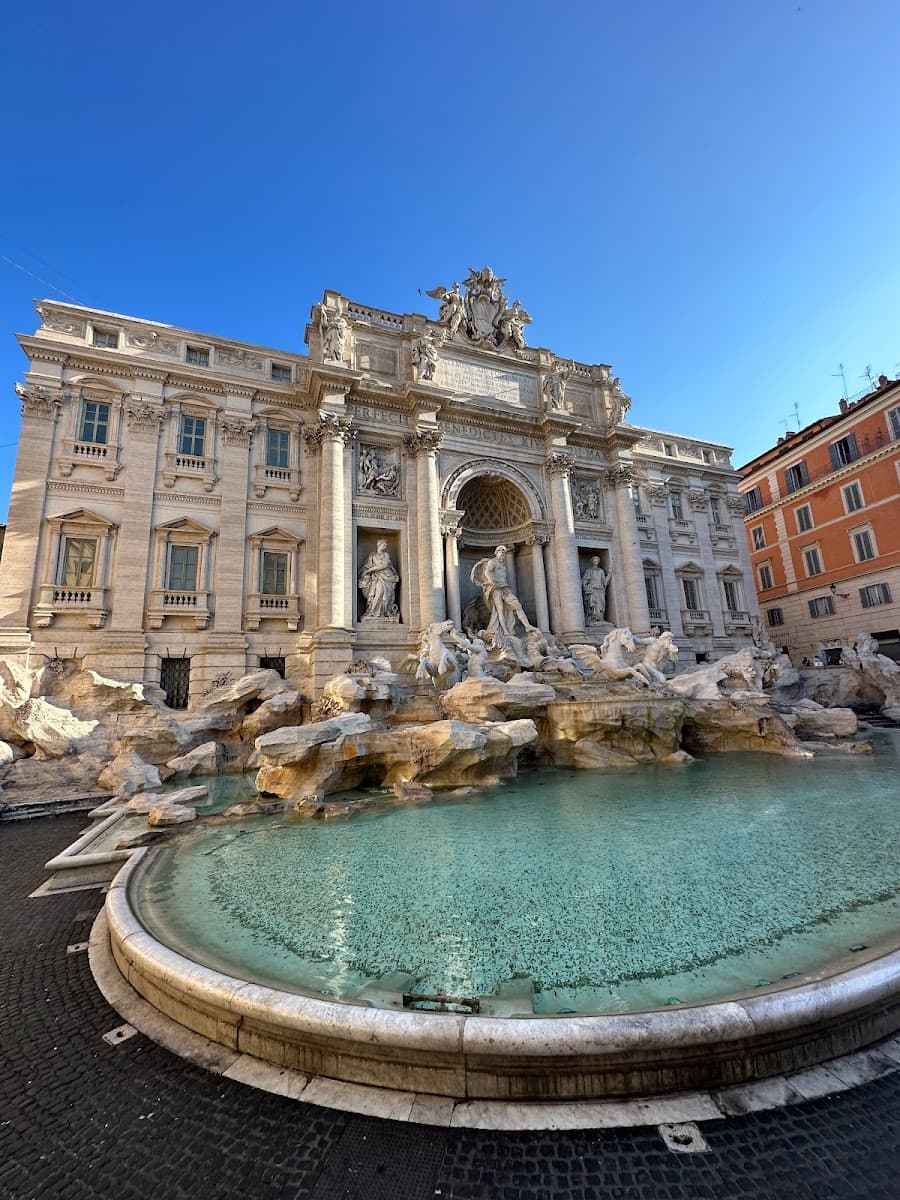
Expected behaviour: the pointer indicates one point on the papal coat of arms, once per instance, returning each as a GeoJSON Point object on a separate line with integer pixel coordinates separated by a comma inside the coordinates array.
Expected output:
{"type": "Point", "coordinates": [482, 314]}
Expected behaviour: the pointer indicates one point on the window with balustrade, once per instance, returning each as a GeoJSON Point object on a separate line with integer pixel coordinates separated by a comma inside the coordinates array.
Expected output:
{"type": "Point", "coordinates": [76, 568]}
{"type": "Point", "coordinates": [192, 436]}
{"type": "Point", "coordinates": [75, 565]}
{"type": "Point", "coordinates": [182, 569]}
{"type": "Point", "coordinates": [181, 572]}
{"type": "Point", "coordinates": [278, 448]}
{"type": "Point", "coordinates": [94, 424]}
{"type": "Point", "coordinates": [274, 579]}
{"type": "Point", "coordinates": [796, 476]}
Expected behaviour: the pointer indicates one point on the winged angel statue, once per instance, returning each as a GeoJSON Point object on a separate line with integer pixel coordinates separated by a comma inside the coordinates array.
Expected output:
{"type": "Point", "coordinates": [482, 313]}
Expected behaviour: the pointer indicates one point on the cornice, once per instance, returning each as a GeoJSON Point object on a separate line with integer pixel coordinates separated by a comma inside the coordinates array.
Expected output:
{"type": "Point", "coordinates": [810, 489]}
{"type": "Point", "coordinates": [89, 489]}
{"type": "Point", "coordinates": [194, 384]}
{"type": "Point", "coordinates": [186, 498]}
{"type": "Point", "coordinates": [273, 507]}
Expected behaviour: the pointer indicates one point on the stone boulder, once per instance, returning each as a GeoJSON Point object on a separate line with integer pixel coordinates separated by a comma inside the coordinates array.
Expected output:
{"type": "Point", "coordinates": [810, 720]}
{"type": "Point", "coordinates": [721, 725]}
{"type": "Point", "coordinates": [284, 709]}
{"type": "Point", "coordinates": [443, 754]}
{"type": "Point", "coordinates": [128, 774]}
{"type": "Point", "coordinates": [486, 699]}
{"type": "Point", "coordinates": [145, 802]}
{"type": "Point", "coordinates": [54, 731]}
{"type": "Point", "coordinates": [202, 760]}
{"type": "Point", "coordinates": [615, 730]}
{"type": "Point", "coordinates": [170, 814]}
{"type": "Point", "coordinates": [292, 743]}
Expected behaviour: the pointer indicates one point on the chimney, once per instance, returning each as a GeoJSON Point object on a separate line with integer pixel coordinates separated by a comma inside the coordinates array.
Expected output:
{"type": "Point", "coordinates": [843, 406]}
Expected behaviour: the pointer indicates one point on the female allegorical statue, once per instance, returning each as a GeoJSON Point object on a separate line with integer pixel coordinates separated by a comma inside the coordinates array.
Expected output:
{"type": "Point", "coordinates": [378, 581]}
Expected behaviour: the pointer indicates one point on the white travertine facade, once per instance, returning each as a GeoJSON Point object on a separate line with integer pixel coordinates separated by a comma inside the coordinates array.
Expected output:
{"type": "Point", "coordinates": [187, 507]}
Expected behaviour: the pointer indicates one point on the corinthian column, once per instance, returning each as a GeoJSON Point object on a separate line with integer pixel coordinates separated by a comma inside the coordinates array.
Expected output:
{"type": "Point", "coordinates": [541, 613]}
{"type": "Point", "coordinates": [330, 437]}
{"type": "Point", "coordinates": [559, 468]}
{"type": "Point", "coordinates": [423, 448]}
{"type": "Point", "coordinates": [631, 566]}
{"type": "Point", "coordinates": [452, 534]}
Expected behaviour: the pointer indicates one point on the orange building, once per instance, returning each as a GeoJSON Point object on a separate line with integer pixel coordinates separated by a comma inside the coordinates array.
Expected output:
{"type": "Point", "coordinates": [822, 517]}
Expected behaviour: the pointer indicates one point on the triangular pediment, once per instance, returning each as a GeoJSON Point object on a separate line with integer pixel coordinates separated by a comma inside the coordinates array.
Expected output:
{"type": "Point", "coordinates": [84, 518]}
{"type": "Point", "coordinates": [185, 525]}
{"type": "Point", "coordinates": [275, 535]}
{"type": "Point", "coordinates": [689, 568]}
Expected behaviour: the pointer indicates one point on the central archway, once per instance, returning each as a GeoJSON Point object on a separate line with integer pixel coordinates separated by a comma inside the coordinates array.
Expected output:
{"type": "Point", "coordinates": [499, 505]}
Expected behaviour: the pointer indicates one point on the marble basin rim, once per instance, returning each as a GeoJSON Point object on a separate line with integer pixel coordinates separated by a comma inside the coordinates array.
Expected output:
{"type": "Point", "coordinates": [539, 1057]}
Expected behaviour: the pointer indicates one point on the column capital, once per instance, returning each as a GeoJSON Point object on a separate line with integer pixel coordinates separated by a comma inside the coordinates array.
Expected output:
{"type": "Point", "coordinates": [560, 463]}
{"type": "Point", "coordinates": [330, 428]}
{"type": "Point", "coordinates": [697, 500]}
{"type": "Point", "coordinates": [38, 401]}
{"type": "Point", "coordinates": [621, 475]}
{"type": "Point", "coordinates": [657, 493]}
{"type": "Point", "coordinates": [144, 418]}
{"type": "Point", "coordinates": [425, 442]}
{"type": "Point", "coordinates": [236, 432]}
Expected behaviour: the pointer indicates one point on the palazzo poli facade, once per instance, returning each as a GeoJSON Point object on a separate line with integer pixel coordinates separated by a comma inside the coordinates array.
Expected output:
{"type": "Point", "coordinates": [186, 508]}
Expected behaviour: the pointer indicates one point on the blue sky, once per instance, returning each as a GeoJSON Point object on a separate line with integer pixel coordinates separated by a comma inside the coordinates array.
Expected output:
{"type": "Point", "coordinates": [704, 195]}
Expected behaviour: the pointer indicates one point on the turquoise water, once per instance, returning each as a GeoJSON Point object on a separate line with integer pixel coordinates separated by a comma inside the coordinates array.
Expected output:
{"type": "Point", "coordinates": [611, 891]}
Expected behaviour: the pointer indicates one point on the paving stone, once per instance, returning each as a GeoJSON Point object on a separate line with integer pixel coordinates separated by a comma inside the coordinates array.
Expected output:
{"type": "Point", "coordinates": [81, 1120]}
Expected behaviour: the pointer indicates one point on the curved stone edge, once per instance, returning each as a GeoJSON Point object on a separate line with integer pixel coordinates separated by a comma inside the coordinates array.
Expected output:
{"type": "Point", "coordinates": [427, 1109]}
{"type": "Point", "coordinates": [490, 1059]}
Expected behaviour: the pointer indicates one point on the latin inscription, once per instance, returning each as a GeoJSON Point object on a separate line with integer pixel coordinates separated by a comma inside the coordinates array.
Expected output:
{"type": "Point", "coordinates": [491, 383]}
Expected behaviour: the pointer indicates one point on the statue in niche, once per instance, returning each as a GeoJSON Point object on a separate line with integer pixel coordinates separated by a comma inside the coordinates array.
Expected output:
{"type": "Point", "coordinates": [378, 581]}
{"type": "Point", "coordinates": [490, 575]}
{"type": "Point", "coordinates": [594, 583]}
{"type": "Point", "coordinates": [334, 328]}
{"type": "Point", "coordinates": [555, 382]}
{"type": "Point", "coordinates": [376, 473]}
{"type": "Point", "coordinates": [425, 354]}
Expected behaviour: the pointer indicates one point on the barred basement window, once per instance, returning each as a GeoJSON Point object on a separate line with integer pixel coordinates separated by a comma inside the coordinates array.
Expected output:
{"type": "Point", "coordinates": [822, 606]}
{"type": "Point", "coordinates": [875, 593]}
{"type": "Point", "coordinates": [175, 680]}
{"type": "Point", "coordinates": [775, 616]}
{"type": "Point", "coordinates": [269, 662]}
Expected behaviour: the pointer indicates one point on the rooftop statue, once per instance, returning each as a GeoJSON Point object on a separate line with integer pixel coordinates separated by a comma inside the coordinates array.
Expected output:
{"type": "Point", "coordinates": [482, 315]}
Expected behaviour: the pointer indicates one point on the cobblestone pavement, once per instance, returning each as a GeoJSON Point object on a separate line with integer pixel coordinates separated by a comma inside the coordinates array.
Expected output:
{"type": "Point", "coordinates": [80, 1118]}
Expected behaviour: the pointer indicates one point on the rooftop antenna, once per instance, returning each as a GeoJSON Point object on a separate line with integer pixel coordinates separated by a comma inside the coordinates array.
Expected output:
{"type": "Point", "coordinates": [839, 374]}
{"type": "Point", "coordinates": [868, 375]}
{"type": "Point", "coordinates": [786, 421]}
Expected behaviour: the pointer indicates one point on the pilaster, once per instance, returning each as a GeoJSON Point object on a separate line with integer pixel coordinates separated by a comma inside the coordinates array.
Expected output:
{"type": "Point", "coordinates": [568, 578]}
{"type": "Point", "coordinates": [423, 446]}
{"type": "Point", "coordinates": [632, 566]}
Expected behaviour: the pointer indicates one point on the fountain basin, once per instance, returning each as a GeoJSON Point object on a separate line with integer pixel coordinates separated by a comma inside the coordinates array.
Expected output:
{"type": "Point", "coordinates": [840, 1004]}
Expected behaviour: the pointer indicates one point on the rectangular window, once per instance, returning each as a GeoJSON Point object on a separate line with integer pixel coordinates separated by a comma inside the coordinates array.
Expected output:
{"type": "Point", "coordinates": [278, 443]}
{"type": "Point", "coordinates": [669, 449]}
{"type": "Point", "coordinates": [753, 500]}
{"type": "Point", "coordinates": [182, 569]}
{"type": "Point", "coordinates": [270, 662]}
{"type": "Point", "coordinates": [676, 506]}
{"type": "Point", "coordinates": [822, 606]}
{"type": "Point", "coordinates": [765, 576]}
{"type": "Point", "coordinates": [274, 574]}
{"type": "Point", "coordinates": [196, 356]}
{"type": "Point", "coordinates": [732, 595]}
{"type": "Point", "coordinates": [706, 455]}
{"type": "Point", "coordinates": [79, 556]}
{"type": "Point", "coordinates": [636, 501]}
{"type": "Point", "coordinates": [715, 510]}
{"type": "Point", "coordinates": [175, 680]}
{"type": "Point", "coordinates": [94, 422]}
{"type": "Point", "coordinates": [894, 424]}
{"type": "Point", "coordinates": [813, 561]}
{"type": "Point", "coordinates": [775, 616]}
{"type": "Point", "coordinates": [691, 593]}
{"type": "Point", "coordinates": [796, 476]}
{"type": "Point", "coordinates": [651, 582]}
{"type": "Point", "coordinates": [759, 537]}
{"type": "Point", "coordinates": [853, 497]}
{"type": "Point", "coordinates": [844, 451]}
{"type": "Point", "coordinates": [193, 434]}
{"type": "Point", "coordinates": [281, 373]}
{"type": "Point", "coordinates": [875, 593]}
{"type": "Point", "coordinates": [106, 339]}
{"type": "Point", "coordinates": [863, 545]}
{"type": "Point", "coordinates": [803, 517]}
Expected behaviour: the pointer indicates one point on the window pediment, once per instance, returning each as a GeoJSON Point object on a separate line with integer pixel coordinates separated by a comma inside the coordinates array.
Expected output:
{"type": "Point", "coordinates": [277, 537]}
{"type": "Point", "coordinates": [185, 525]}
{"type": "Point", "coordinates": [82, 518]}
